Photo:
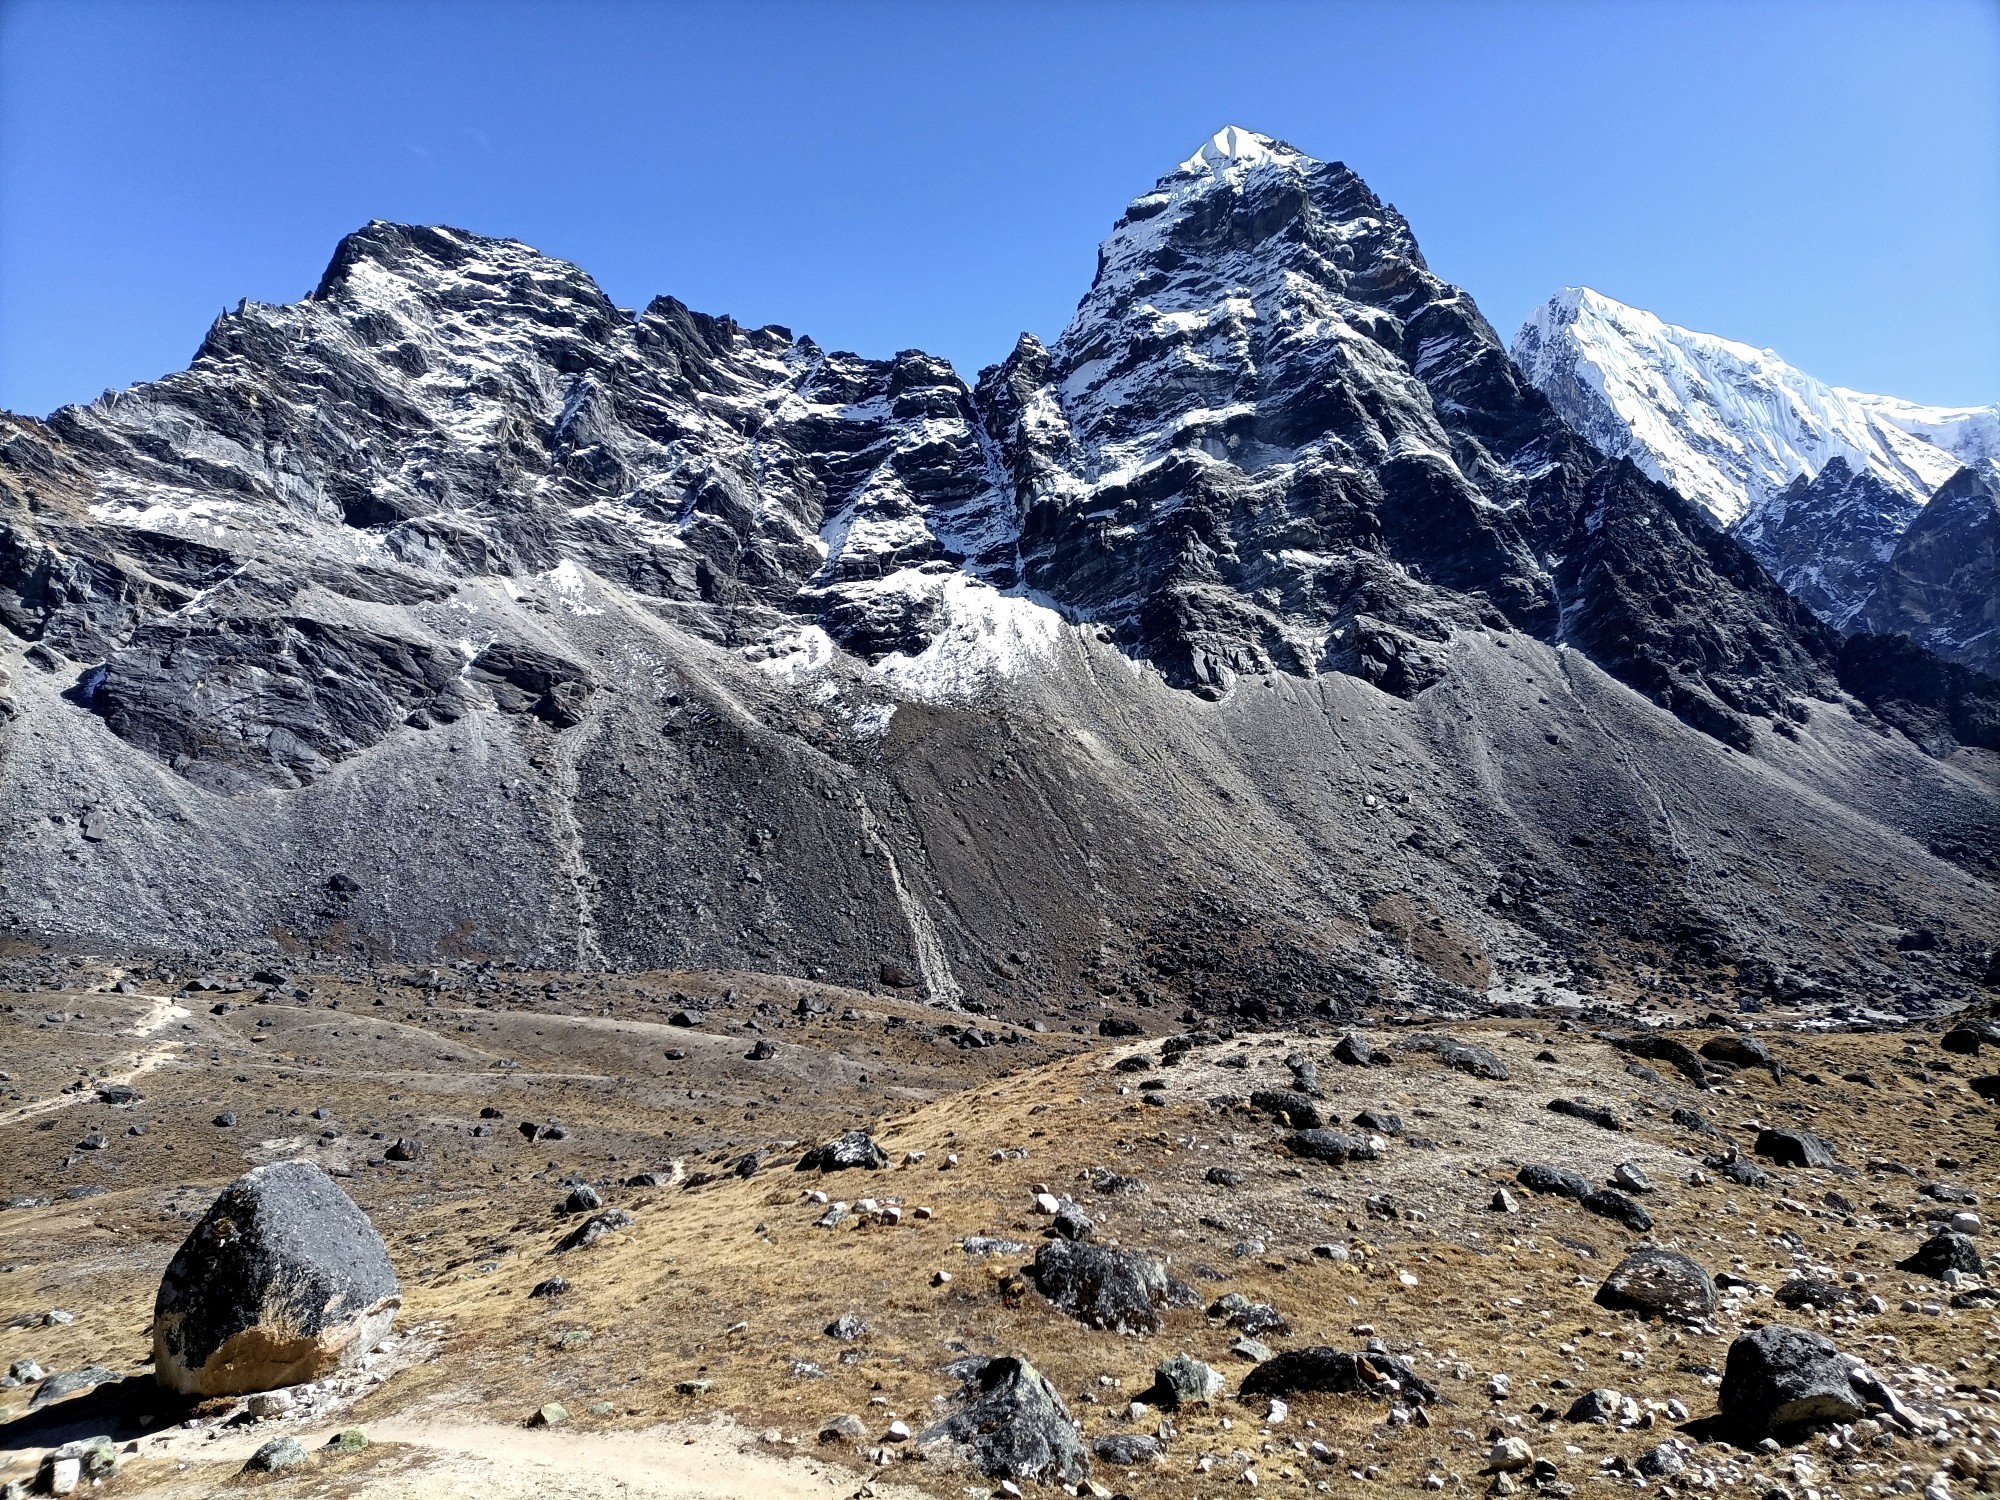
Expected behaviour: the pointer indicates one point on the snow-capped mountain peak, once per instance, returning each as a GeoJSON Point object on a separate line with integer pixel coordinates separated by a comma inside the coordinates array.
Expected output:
{"type": "Point", "coordinates": [1230, 147]}
{"type": "Point", "coordinates": [1728, 425]}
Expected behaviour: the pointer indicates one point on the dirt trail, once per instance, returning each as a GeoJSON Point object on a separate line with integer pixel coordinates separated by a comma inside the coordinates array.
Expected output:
{"type": "Point", "coordinates": [470, 1461]}
{"type": "Point", "coordinates": [162, 1012]}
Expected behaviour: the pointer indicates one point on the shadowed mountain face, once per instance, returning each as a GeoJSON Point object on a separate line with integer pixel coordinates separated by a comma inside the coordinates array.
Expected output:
{"type": "Point", "coordinates": [1264, 642]}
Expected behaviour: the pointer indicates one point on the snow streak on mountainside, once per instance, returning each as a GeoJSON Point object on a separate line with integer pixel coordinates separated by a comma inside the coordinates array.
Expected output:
{"type": "Point", "coordinates": [1728, 426]}
{"type": "Point", "coordinates": [455, 607]}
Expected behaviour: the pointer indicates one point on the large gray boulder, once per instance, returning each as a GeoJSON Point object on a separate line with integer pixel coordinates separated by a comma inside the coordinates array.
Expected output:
{"type": "Point", "coordinates": [1660, 1284]}
{"type": "Point", "coordinates": [1120, 1290]}
{"type": "Point", "coordinates": [1009, 1423]}
{"type": "Point", "coordinates": [1372, 1373]}
{"type": "Point", "coordinates": [282, 1281]}
{"type": "Point", "coordinates": [1779, 1377]}
{"type": "Point", "coordinates": [1947, 1250]}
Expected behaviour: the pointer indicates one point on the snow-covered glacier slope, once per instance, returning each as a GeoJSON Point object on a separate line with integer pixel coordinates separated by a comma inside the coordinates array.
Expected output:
{"type": "Point", "coordinates": [1729, 426]}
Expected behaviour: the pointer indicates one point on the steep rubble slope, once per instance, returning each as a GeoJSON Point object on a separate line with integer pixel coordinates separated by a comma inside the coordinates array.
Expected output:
{"type": "Point", "coordinates": [1246, 646]}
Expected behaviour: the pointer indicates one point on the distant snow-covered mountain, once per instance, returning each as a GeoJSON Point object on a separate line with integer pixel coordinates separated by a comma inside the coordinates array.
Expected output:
{"type": "Point", "coordinates": [1818, 481]}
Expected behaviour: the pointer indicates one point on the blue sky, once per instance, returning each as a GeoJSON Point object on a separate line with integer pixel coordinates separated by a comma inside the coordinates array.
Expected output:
{"type": "Point", "coordinates": [1820, 178]}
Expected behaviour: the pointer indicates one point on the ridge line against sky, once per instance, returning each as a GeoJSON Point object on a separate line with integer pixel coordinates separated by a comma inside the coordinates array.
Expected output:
{"type": "Point", "coordinates": [1821, 179]}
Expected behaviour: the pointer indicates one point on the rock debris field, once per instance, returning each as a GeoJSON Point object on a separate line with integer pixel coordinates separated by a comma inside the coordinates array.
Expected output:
{"type": "Point", "coordinates": [478, 1230]}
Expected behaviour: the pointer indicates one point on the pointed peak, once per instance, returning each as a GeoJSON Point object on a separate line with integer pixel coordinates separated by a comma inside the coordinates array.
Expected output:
{"type": "Point", "coordinates": [1234, 146]}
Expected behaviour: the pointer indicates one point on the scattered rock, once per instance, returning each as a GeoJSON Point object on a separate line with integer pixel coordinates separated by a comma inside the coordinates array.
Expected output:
{"type": "Point", "coordinates": [1295, 1109]}
{"type": "Point", "coordinates": [554, 1414]}
{"type": "Point", "coordinates": [846, 1328]}
{"type": "Point", "coordinates": [1796, 1148]}
{"type": "Point", "coordinates": [855, 1149]}
{"type": "Point", "coordinates": [1578, 1109]}
{"type": "Point", "coordinates": [1661, 1462]}
{"type": "Point", "coordinates": [1462, 1057]}
{"type": "Point", "coordinates": [282, 1281]}
{"type": "Point", "coordinates": [1072, 1223]}
{"type": "Point", "coordinates": [68, 1383]}
{"type": "Point", "coordinates": [844, 1428]}
{"type": "Point", "coordinates": [1599, 1407]}
{"type": "Point", "coordinates": [593, 1229]}
{"type": "Point", "coordinates": [1183, 1381]}
{"type": "Point", "coordinates": [1509, 1455]}
{"type": "Point", "coordinates": [1779, 1377]}
{"type": "Point", "coordinates": [1738, 1051]}
{"type": "Point", "coordinates": [1330, 1146]}
{"type": "Point", "coordinates": [1538, 1178]}
{"type": "Point", "coordinates": [1629, 1177]}
{"type": "Point", "coordinates": [1128, 1450]}
{"type": "Point", "coordinates": [1947, 1250]}
{"type": "Point", "coordinates": [1010, 1423]}
{"type": "Point", "coordinates": [1609, 1204]}
{"type": "Point", "coordinates": [1357, 1052]}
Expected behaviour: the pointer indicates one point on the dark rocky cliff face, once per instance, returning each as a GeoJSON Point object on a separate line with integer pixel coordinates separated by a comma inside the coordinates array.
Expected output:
{"type": "Point", "coordinates": [455, 609]}
{"type": "Point", "coordinates": [1941, 585]}
{"type": "Point", "coordinates": [1826, 538]}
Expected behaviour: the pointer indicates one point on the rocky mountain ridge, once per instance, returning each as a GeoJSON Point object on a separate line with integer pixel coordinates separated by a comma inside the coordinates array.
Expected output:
{"type": "Point", "coordinates": [455, 610]}
{"type": "Point", "coordinates": [1821, 483]}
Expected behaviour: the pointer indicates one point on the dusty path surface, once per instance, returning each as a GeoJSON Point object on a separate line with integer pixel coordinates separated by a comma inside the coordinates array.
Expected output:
{"type": "Point", "coordinates": [711, 1460]}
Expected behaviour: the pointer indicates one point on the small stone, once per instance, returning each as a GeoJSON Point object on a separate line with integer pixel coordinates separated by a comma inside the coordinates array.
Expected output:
{"type": "Point", "coordinates": [897, 1432]}
{"type": "Point", "coordinates": [348, 1440]}
{"type": "Point", "coordinates": [276, 1456]}
{"type": "Point", "coordinates": [1508, 1455]}
{"type": "Point", "coordinates": [266, 1404]}
{"type": "Point", "coordinates": [554, 1414]}
{"type": "Point", "coordinates": [1599, 1406]}
{"type": "Point", "coordinates": [846, 1328]}
{"type": "Point", "coordinates": [1184, 1381]}
{"type": "Point", "coordinates": [844, 1428]}
{"type": "Point", "coordinates": [1629, 1177]}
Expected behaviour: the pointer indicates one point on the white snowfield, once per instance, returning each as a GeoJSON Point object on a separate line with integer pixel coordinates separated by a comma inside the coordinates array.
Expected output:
{"type": "Point", "coordinates": [1727, 425]}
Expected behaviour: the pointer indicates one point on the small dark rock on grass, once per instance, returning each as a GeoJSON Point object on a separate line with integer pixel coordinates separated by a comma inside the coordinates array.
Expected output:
{"type": "Point", "coordinates": [276, 1456]}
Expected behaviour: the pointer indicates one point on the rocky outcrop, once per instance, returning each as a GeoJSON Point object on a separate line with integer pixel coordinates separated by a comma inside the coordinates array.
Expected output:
{"type": "Point", "coordinates": [282, 1281]}
{"type": "Point", "coordinates": [1826, 537]}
